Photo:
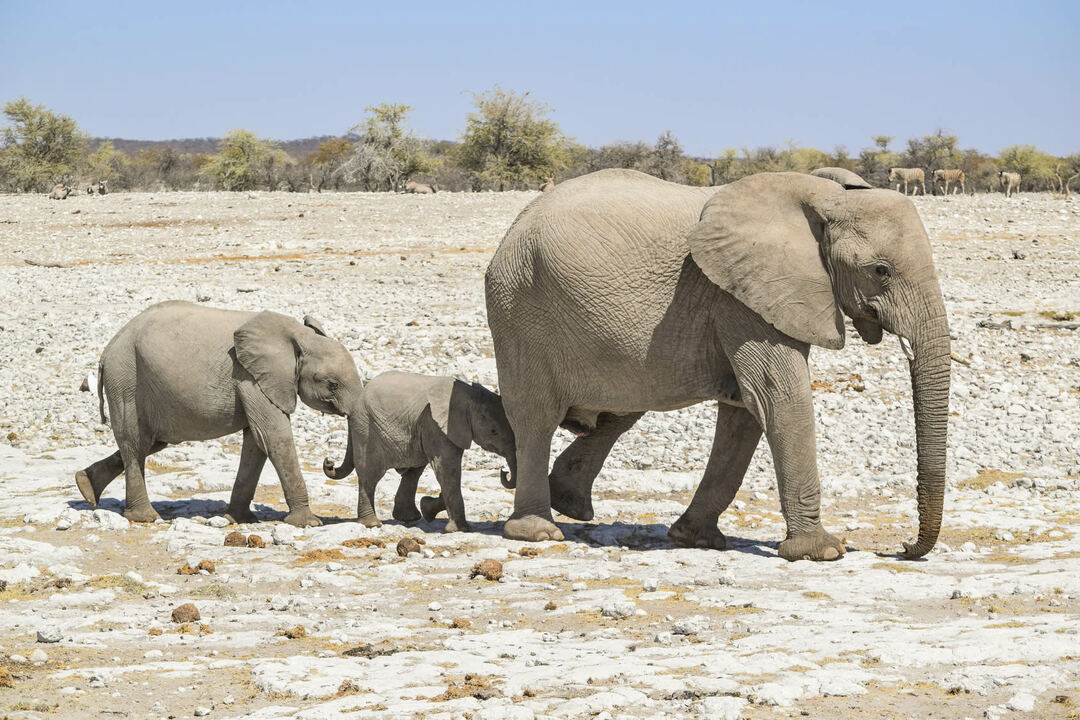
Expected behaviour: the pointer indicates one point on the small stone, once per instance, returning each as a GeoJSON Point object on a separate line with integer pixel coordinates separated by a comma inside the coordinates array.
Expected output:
{"type": "Point", "coordinates": [579, 587]}
{"type": "Point", "coordinates": [218, 521]}
{"type": "Point", "coordinates": [1004, 536]}
{"type": "Point", "coordinates": [202, 711]}
{"type": "Point", "coordinates": [550, 605]}
{"type": "Point", "coordinates": [283, 534]}
{"type": "Point", "coordinates": [186, 613]}
{"type": "Point", "coordinates": [38, 657]}
{"type": "Point", "coordinates": [428, 553]}
{"type": "Point", "coordinates": [227, 700]}
{"type": "Point", "coordinates": [49, 635]}
{"type": "Point", "coordinates": [692, 625]}
{"type": "Point", "coordinates": [255, 541]}
{"type": "Point", "coordinates": [293, 633]}
{"type": "Point", "coordinates": [96, 681]}
{"type": "Point", "coordinates": [488, 569]}
{"type": "Point", "coordinates": [968, 547]}
{"type": "Point", "coordinates": [68, 518]}
{"type": "Point", "coordinates": [1021, 702]}
{"type": "Point", "coordinates": [618, 610]}
{"type": "Point", "coordinates": [434, 607]}
{"type": "Point", "coordinates": [650, 585]}
{"type": "Point", "coordinates": [15, 658]}
{"type": "Point", "coordinates": [236, 539]}
{"type": "Point", "coordinates": [152, 654]}
{"type": "Point", "coordinates": [407, 545]}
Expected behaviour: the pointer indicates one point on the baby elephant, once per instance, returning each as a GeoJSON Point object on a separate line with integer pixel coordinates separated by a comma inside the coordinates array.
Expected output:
{"type": "Point", "coordinates": [179, 371]}
{"type": "Point", "coordinates": [406, 421]}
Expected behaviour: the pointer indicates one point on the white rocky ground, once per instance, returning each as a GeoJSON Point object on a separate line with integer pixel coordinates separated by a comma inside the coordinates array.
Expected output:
{"type": "Point", "coordinates": [613, 622]}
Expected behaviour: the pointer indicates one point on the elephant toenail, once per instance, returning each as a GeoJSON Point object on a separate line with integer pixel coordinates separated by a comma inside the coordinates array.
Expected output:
{"type": "Point", "coordinates": [831, 553]}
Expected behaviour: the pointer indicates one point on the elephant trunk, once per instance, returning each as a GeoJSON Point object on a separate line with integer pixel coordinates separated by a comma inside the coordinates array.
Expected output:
{"type": "Point", "coordinates": [342, 471]}
{"type": "Point", "coordinates": [930, 369]}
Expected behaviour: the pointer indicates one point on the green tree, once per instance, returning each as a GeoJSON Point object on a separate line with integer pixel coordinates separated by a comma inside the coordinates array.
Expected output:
{"type": "Point", "coordinates": [1036, 168]}
{"type": "Point", "coordinates": [385, 154]}
{"type": "Point", "coordinates": [40, 148]}
{"type": "Point", "coordinates": [875, 163]}
{"type": "Point", "coordinates": [109, 164]}
{"type": "Point", "coordinates": [666, 159]}
{"type": "Point", "coordinates": [326, 163]}
{"type": "Point", "coordinates": [241, 162]}
{"type": "Point", "coordinates": [509, 142]}
{"type": "Point", "coordinates": [698, 174]}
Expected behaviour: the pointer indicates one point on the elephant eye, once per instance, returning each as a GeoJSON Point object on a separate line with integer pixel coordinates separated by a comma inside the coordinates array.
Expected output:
{"type": "Point", "coordinates": [881, 270]}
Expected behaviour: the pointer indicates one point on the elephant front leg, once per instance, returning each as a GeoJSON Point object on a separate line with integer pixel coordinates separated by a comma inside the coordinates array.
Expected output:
{"type": "Point", "coordinates": [775, 383]}
{"type": "Point", "coordinates": [365, 498]}
{"type": "Point", "coordinates": [736, 438]}
{"type": "Point", "coordinates": [252, 460]}
{"type": "Point", "coordinates": [448, 472]}
{"type": "Point", "coordinates": [575, 470]}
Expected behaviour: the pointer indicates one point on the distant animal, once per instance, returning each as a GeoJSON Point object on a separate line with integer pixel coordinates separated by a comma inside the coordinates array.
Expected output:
{"type": "Point", "coordinates": [944, 177]}
{"type": "Point", "coordinates": [908, 176]}
{"type": "Point", "coordinates": [549, 184]}
{"type": "Point", "coordinates": [419, 188]}
{"type": "Point", "coordinates": [1010, 182]}
{"type": "Point", "coordinates": [60, 191]}
{"type": "Point", "coordinates": [845, 177]}
{"type": "Point", "coordinates": [407, 422]}
{"type": "Point", "coordinates": [98, 188]}
{"type": "Point", "coordinates": [179, 371]}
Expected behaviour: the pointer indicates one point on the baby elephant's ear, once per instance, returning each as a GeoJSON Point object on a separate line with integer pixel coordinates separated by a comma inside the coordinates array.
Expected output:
{"type": "Point", "coordinates": [314, 325]}
{"type": "Point", "coordinates": [450, 403]}
{"type": "Point", "coordinates": [266, 347]}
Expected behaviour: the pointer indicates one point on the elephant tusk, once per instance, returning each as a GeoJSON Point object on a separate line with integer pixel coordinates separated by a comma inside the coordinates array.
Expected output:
{"type": "Point", "coordinates": [961, 360]}
{"type": "Point", "coordinates": [905, 345]}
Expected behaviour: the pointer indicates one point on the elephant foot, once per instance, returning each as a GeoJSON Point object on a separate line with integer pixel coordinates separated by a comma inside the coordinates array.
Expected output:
{"type": "Point", "coordinates": [571, 500]}
{"type": "Point", "coordinates": [531, 528]}
{"type": "Point", "coordinates": [406, 513]}
{"type": "Point", "coordinates": [141, 513]}
{"type": "Point", "coordinates": [430, 507]}
{"type": "Point", "coordinates": [687, 534]}
{"type": "Point", "coordinates": [452, 527]}
{"type": "Point", "coordinates": [371, 521]}
{"type": "Point", "coordinates": [814, 545]}
{"type": "Point", "coordinates": [86, 488]}
{"type": "Point", "coordinates": [303, 518]}
{"type": "Point", "coordinates": [241, 516]}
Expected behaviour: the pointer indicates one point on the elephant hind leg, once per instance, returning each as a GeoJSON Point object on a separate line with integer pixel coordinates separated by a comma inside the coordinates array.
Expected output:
{"type": "Point", "coordinates": [405, 498]}
{"type": "Point", "coordinates": [737, 436]}
{"type": "Point", "coordinates": [93, 480]}
{"type": "Point", "coordinates": [575, 470]}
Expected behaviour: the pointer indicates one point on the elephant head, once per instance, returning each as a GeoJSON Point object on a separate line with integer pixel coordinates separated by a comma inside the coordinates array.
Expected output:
{"type": "Point", "coordinates": [472, 413]}
{"type": "Point", "coordinates": [289, 359]}
{"type": "Point", "coordinates": [804, 251]}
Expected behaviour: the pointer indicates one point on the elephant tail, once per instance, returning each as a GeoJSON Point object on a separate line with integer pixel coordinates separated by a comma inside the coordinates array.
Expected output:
{"type": "Point", "coordinates": [101, 391]}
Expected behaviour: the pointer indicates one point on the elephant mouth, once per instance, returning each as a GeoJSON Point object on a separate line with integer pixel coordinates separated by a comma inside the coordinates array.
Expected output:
{"type": "Point", "coordinates": [869, 330]}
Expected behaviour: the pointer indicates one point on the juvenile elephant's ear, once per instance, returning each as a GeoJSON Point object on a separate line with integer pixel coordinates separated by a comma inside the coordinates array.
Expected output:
{"type": "Point", "coordinates": [760, 238]}
{"type": "Point", "coordinates": [450, 408]}
{"type": "Point", "coordinates": [266, 347]}
{"type": "Point", "coordinates": [314, 324]}
{"type": "Point", "coordinates": [845, 177]}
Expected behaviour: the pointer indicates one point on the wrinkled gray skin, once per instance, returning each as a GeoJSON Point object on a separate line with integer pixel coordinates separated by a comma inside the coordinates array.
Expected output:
{"type": "Point", "coordinates": [407, 421]}
{"type": "Point", "coordinates": [419, 188]}
{"type": "Point", "coordinates": [60, 191]}
{"type": "Point", "coordinates": [908, 176]}
{"type": "Point", "coordinates": [1010, 182]}
{"type": "Point", "coordinates": [179, 371]}
{"type": "Point", "coordinates": [845, 177]}
{"type": "Point", "coordinates": [942, 179]}
{"type": "Point", "coordinates": [618, 293]}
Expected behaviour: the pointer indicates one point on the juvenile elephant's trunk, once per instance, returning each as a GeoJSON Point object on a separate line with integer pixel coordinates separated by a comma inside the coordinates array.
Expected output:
{"type": "Point", "coordinates": [346, 467]}
{"type": "Point", "coordinates": [930, 371]}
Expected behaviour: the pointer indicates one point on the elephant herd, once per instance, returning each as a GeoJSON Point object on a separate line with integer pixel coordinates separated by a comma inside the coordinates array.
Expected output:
{"type": "Point", "coordinates": [611, 295]}
{"type": "Point", "coordinates": [915, 178]}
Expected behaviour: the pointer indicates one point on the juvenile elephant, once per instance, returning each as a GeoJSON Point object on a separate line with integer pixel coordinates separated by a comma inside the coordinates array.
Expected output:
{"type": "Point", "coordinates": [407, 421]}
{"type": "Point", "coordinates": [618, 293]}
{"type": "Point", "coordinates": [179, 371]}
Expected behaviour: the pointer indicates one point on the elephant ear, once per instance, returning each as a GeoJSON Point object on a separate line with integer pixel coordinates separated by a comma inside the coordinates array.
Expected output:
{"type": "Point", "coordinates": [450, 402]}
{"type": "Point", "coordinates": [845, 177]}
{"type": "Point", "coordinates": [266, 346]}
{"type": "Point", "coordinates": [315, 325]}
{"type": "Point", "coordinates": [760, 239]}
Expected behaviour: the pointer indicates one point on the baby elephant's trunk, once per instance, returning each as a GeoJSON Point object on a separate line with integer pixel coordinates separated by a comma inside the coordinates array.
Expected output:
{"type": "Point", "coordinates": [341, 472]}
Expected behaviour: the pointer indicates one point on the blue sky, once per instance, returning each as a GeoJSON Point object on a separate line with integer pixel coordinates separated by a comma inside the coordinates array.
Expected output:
{"type": "Point", "coordinates": [716, 74]}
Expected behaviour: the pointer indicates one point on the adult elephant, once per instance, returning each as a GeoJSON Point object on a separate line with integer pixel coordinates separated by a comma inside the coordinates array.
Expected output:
{"type": "Point", "coordinates": [618, 293]}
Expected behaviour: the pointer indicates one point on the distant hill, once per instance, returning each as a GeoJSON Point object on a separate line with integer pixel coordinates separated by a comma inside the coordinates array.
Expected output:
{"type": "Point", "coordinates": [296, 148]}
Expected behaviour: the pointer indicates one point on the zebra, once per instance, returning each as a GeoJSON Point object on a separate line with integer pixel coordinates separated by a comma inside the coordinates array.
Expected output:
{"type": "Point", "coordinates": [1010, 182]}
{"type": "Point", "coordinates": [945, 177]}
{"type": "Point", "coordinates": [908, 175]}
